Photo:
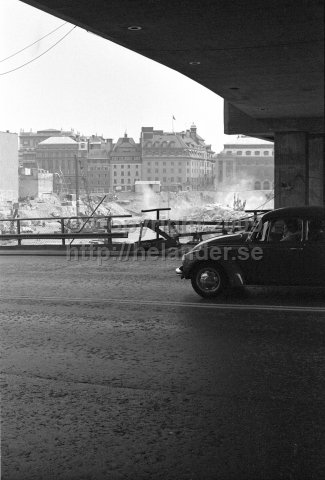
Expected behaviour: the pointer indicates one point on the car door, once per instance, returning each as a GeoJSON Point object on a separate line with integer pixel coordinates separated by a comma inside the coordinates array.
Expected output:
{"type": "Point", "coordinates": [314, 254]}
{"type": "Point", "coordinates": [281, 262]}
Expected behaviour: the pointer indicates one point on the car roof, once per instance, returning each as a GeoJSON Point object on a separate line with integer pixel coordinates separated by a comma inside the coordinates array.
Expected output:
{"type": "Point", "coordinates": [312, 211]}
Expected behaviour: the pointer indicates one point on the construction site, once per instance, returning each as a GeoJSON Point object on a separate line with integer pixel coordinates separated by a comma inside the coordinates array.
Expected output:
{"type": "Point", "coordinates": [173, 218]}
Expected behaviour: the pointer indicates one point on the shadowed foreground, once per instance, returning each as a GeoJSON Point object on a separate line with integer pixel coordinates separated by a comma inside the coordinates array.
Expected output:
{"type": "Point", "coordinates": [120, 371]}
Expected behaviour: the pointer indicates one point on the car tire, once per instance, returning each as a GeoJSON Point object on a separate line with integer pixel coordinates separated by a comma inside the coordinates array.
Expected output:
{"type": "Point", "coordinates": [208, 279]}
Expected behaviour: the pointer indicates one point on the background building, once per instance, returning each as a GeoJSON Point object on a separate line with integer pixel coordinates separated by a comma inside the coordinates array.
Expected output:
{"type": "Point", "coordinates": [28, 142]}
{"type": "Point", "coordinates": [35, 183]}
{"type": "Point", "coordinates": [178, 160]}
{"type": "Point", "coordinates": [96, 174]}
{"type": "Point", "coordinates": [59, 155]}
{"type": "Point", "coordinates": [245, 163]}
{"type": "Point", "coordinates": [8, 166]}
{"type": "Point", "coordinates": [126, 165]}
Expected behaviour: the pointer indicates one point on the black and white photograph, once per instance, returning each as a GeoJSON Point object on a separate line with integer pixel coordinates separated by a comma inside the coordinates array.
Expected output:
{"type": "Point", "coordinates": [162, 240]}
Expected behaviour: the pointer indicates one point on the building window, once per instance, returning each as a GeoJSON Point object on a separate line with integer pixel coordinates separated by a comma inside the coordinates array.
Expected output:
{"type": "Point", "coordinates": [129, 180]}
{"type": "Point", "coordinates": [129, 173]}
{"type": "Point", "coordinates": [229, 152]}
{"type": "Point", "coordinates": [257, 152]}
{"type": "Point", "coordinates": [115, 174]}
{"type": "Point", "coordinates": [122, 174]}
{"type": "Point", "coordinates": [129, 166]}
{"type": "Point", "coordinates": [248, 152]}
{"type": "Point", "coordinates": [122, 166]}
{"type": "Point", "coordinates": [164, 170]}
{"type": "Point", "coordinates": [265, 152]}
{"type": "Point", "coordinates": [164, 179]}
{"type": "Point", "coordinates": [156, 170]}
{"type": "Point", "coordinates": [114, 180]}
{"type": "Point", "coordinates": [179, 170]}
{"type": "Point", "coordinates": [149, 170]}
{"type": "Point", "coordinates": [239, 152]}
{"type": "Point", "coordinates": [122, 180]}
{"type": "Point", "coordinates": [266, 185]}
{"type": "Point", "coordinates": [172, 179]}
{"type": "Point", "coordinates": [179, 180]}
{"type": "Point", "coordinates": [257, 185]}
{"type": "Point", "coordinates": [156, 179]}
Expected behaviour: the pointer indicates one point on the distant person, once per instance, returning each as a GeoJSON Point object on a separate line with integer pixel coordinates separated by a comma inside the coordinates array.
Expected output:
{"type": "Point", "coordinates": [291, 232]}
{"type": "Point", "coordinates": [173, 232]}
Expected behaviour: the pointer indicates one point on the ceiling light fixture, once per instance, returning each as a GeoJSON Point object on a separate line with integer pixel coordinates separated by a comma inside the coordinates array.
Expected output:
{"type": "Point", "coordinates": [195, 63]}
{"type": "Point", "coordinates": [134, 28]}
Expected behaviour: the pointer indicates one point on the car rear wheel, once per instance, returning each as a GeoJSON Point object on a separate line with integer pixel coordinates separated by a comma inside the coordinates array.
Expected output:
{"type": "Point", "coordinates": [208, 280]}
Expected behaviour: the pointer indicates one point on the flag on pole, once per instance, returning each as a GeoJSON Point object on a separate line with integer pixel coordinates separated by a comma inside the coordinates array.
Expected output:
{"type": "Point", "coordinates": [174, 118]}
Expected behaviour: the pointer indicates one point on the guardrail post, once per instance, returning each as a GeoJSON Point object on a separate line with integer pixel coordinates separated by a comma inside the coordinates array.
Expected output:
{"type": "Point", "coordinates": [62, 230]}
{"type": "Point", "coordinates": [109, 230]}
{"type": "Point", "coordinates": [18, 231]}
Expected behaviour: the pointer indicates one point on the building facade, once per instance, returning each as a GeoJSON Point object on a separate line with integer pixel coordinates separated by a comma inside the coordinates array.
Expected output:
{"type": "Point", "coordinates": [96, 174]}
{"type": "Point", "coordinates": [8, 167]}
{"type": "Point", "coordinates": [178, 160]}
{"type": "Point", "coordinates": [63, 157]}
{"type": "Point", "coordinates": [28, 142]}
{"type": "Point", "coordinates": [245, 163]}
{"type": "Point", "coordinates": [126, 164]}
{"type": "Point", "coordinates": [35, 183]}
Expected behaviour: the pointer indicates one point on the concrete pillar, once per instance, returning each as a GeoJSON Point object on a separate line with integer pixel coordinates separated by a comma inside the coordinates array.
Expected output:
{"type": "Point", "coordinates": [316, 170]}
{"type": "Point", "coordinates": [299, 169]}
{"type": "Point", "coordinates": [291, 184]}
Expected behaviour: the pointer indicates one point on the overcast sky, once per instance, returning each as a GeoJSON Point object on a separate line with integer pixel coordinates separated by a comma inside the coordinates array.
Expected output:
{"type": "Point", "coordinates": [92, 85]}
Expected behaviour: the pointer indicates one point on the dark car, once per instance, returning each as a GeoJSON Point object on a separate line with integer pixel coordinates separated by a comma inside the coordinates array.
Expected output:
{"type": "Point", "coordinates": [286, 247]}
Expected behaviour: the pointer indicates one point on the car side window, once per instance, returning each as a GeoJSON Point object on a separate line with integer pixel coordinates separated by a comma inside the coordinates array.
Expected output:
{"type": "Point", "coordinates": [316, 229]}
{"type": "Point", "coordinates": [276, 231]}
{"type": "Point", "coordinates": [285, 230]}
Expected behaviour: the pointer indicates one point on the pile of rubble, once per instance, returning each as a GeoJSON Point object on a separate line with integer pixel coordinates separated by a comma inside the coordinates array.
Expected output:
{"type": "Point", "coordinates": [210, 212]}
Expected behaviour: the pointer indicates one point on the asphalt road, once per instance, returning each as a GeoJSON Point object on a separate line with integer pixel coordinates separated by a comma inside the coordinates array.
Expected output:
{"type": "Point", "coordinates": [120, 371]}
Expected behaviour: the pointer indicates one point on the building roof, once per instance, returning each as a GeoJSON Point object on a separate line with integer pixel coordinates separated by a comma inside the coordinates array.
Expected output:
{"type": "Point", "coordinates": [125, 142]}
{"type": "Point", "coordinates": [58, 141]}
{"type": "Point", "coordinates": [174, 140]}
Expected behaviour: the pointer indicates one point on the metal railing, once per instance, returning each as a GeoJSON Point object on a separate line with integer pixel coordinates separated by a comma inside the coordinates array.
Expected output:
{"type": "Point", "coordinates": [102, 228]}
{"type": "Point", "coordinates": [59, 228]}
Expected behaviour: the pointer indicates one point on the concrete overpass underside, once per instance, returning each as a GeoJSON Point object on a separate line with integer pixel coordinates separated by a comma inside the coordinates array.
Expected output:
{"type": "Point", "coordinates": [266, 59]}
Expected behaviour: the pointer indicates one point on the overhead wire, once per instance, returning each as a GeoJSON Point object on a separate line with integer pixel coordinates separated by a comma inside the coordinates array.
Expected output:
{"type": "Point", "coordinates": [31, 44]}
{"type": "Point", "coordinates": [50, 48]}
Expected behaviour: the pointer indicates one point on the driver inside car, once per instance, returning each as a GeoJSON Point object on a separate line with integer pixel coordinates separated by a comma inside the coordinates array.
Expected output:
{"type": "Point", "coordinates": [291, 231]}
